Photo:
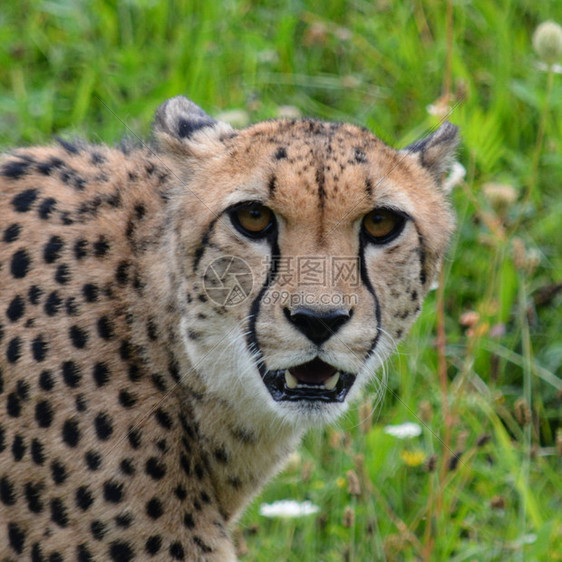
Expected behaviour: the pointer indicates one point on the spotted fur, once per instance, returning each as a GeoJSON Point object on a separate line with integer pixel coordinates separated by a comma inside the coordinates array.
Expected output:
{"type": "Point", "coordinates": [134, 419]}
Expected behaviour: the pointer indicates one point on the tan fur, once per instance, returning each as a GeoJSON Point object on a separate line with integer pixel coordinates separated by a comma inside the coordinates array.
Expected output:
{"type": "Point", "coordinates": [149, 444]}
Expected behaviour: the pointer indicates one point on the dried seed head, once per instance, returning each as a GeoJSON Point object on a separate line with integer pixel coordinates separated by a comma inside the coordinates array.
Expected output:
{"type": "Point", "coordinates": [353, 486]}
{"type": "Point", "coordinates": [547, 41]}
{"type": "Point", "coordinates": [365, 415]}
{"type": "Point", "coordinates": [483, 439]}
{"type": "Point", "coordinates": [431, 463]}
{"type": "Point", "coordinates": [559, 443]}
{"type": "Point", "coordinates": [348, 517]}
{"type": "Point", "coordinates": [500, 196]}
{"type": "Point", "coordinates": [454, 460]}
{"type": "Point", "coordinates": [522, 411]}
{"type": "Point", "coordinates": [497, 502]}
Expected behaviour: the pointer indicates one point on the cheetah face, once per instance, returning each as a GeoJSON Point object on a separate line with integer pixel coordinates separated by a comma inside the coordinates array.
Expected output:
{"type": "Point", "coordinates": [305, 250]}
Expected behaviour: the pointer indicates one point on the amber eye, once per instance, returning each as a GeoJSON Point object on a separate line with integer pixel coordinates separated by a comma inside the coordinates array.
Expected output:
{"type": "Point", "coordinates": [383, 225]}
{"type": "Point", "coordinates": [254, 219]}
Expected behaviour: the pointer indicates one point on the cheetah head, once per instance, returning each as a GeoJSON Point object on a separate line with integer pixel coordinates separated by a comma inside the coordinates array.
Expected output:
{"type": "Point", "coordinates": [302, 251]}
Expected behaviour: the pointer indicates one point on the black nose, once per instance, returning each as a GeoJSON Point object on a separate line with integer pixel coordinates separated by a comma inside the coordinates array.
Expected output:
{"type": "Point", "coordinates": [316, 325]}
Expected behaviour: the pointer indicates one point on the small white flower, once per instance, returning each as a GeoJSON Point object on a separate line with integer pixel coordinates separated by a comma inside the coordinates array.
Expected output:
{"type": "Point", "coordinates": [288, 508]}
{"type": "Point", "coordinates": [456, 175]}
{"type": "Point", "coordinates": [404, 430]}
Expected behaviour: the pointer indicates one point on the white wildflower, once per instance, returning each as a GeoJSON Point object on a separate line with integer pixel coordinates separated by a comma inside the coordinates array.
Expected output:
{"type": "Point", "coordinates": [288, 508]}
{"type": "Point", "coordinates": [404, 430]}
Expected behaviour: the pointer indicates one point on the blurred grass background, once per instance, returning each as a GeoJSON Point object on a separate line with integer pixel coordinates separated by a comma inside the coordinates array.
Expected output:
{"type": "Point", "coordinates": [484, 480]}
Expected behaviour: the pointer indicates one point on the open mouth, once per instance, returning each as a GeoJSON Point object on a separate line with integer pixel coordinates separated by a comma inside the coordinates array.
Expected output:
{"type": "Point", "coordinates": [314, 381]}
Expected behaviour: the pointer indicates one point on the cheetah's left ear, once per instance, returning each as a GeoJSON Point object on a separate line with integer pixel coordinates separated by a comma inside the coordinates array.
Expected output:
{"type": "Point", "coordinates": [436, 152]}
{"type": "Point", "coordinates": [178, 120]}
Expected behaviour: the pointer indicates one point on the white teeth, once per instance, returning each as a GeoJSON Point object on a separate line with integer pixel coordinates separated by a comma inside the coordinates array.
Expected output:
{"type": "Point", "coordinates": [330, 383]}
{"type": "Point", "coordinates": [290, 380]}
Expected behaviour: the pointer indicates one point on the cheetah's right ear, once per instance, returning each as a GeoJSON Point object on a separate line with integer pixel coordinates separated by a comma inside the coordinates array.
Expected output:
{"type": "Point", "coordinates": [178, 121]}
{"type": "Point", "coordinates": [436, 152]}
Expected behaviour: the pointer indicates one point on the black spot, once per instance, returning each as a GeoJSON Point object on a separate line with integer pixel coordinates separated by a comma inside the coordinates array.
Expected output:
{"type": "Point", "coordinates": [152, 330]}
{"type": "Point", "coordinates": [15, 169]}
{"type": "Point", "coordinates": [90, 292]}
{"type": "Point", "coordinates": [127, 467]}
{"type": "Point", "coordinates": [23, 201]}
{"type": "Point", "coordinates": [176, 551]}
{"type": "Point", "coordinates": [80, 249]}
{"type": "Point", "coordinates": [62, 274]}
{"type": "Point", "coordinates": [184, 463]}
{"type": "Point", "coordinates": [104, 426]}
{"type": "Point", "coordinates": [16, 536]}
{"type": "Point", "coordinates": [98, 530]}
{"type": "Point", "coordinates": [78, 337]}
{"type": "Point", "coordinates": [81, 403]}
{"type": "Point", "coordinates": [101, 374]}
{"type": "Point", "coordinates": [34, 294]}
{"type": "Point", "coordinates": [93, 460]}
{"type": "Point", "coordinates": [105, 328]}
{"type": "Point", "coordinates": [58, 472]}
{"type": "Point", "coordinates": [46, 381]}
{"type": "Point", "coordinates": [22, 389]}
{"type": "Point", "coordinates": [39, 348]}
{"type": "Point", "coordinates": [155, 469]}
{"type": "Point", "coordinates": [71, 148]}
{"type": "Point", "coordinates": [180, 493]}
{"type": "Point", "coordinates": [7, 494]}
{"type": "Point", "coordinates": [122, 273]}
{"type": "Point", "coordinates": [2, 439]}
{"type": "Point", "coordinates": [53, 249]}
{"type": "Point", "coordinates": [13, 351]}
{"type": "Point", "coordinates": [280, 153]}
{"type": "Point", "coordinates": [47, 207]}
{"type": "Point", "coordinates": [125, 350]}
{"type": "Point", "coordinates": [37, 553]}
{"type": "Point", "coordinates": [204, 547]}
{"type": "Point", "coordinates": [83, 554]}
{"type": "Point", "coordinates": [113, 491]}
{"type": "Point", "coordinates": [71, 374]}
{"type": "Point", "coordinates": [163, 418]}
{"type": "Point", "coordinates": [59, 513]}
{"type": "Point", "coordinates": [121, 551]}
{"type": "Point", "coordinates": [16, 308]}
{"type": "Point", "coordinates": [153, 544]}
{"type": "Point", "coordinates": [205, 497]}
{"type": "Point", "coordinates": [124, 520]}
{"type": "Point", "coordinates": [18, 448]}
{"type": "Point", "coordinates": [72, 308]}
{"type": "Point", "coordinates": [272, 185]}
{"type": "Point", "coordinates": [101, 247]}
{"type": "Point", "coordinates": [33, 496]}
{"type": "Point", "coordinates": [43, 413]}
{"type": "Point", "coordinates": [84, 498]}
{"type": "Point", "coordinates": [154, 508]}
{"type": "Point", "coordinates": [188, 520]}
{"type": "Point", "coordinates": [11, 234]}
{"type": "Point", "coordinates": [37, 452]}
{"type": "Point", "coordinates": [71, 432]}
{"type": "Point", "coordinates": [127, 399]}
{"type": "Point", "coordinates": [159, 382]}
{"type": "Point", "coordinates": [13, 405]}
{"type": "Point", "coordinates": [220, 455]}
{"type": "Point", "coordinates": [134, 436]}
{"type": "Point", "coordinates": [20, 264]}
{"type": "Point", "coordinates": [53, 304]}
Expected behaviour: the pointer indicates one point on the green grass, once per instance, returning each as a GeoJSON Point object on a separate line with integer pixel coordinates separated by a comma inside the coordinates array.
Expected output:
{"type": "Point", "coordinates": [99, 69]}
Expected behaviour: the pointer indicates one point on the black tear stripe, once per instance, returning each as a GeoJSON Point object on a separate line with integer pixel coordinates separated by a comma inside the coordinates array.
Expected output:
{"type": "Point", "coordinates": [369, 188]}
{"type": "Point", "coordinates": [204, 243]}
{"type": "Point", "coordinates": [423, 255]}
{"type": "Point", "coordinates": [252, 338]}
{"type": "Point", "coordinates": [368, 284]}
{"type": "Point", "coordinates": [272, 185]}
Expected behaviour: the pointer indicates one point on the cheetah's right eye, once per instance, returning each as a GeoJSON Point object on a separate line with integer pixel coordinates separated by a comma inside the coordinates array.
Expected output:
{"type": "Point", "coordinates": [253, 219]}
{"type": "Point", "coordinates": [382, 225]}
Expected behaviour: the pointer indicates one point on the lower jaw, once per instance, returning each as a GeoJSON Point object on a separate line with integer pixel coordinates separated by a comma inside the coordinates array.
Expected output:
{"type": "Point", "coordinates": [280, 392]}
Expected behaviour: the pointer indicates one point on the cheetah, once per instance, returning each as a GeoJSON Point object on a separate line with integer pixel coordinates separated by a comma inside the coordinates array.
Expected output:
{"type": "Point", "coordinates": [174, 316]}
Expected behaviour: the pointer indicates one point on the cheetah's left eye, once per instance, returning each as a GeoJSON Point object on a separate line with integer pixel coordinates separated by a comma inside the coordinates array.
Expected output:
{"type": "Point", "coordinates": [383, 225]}
{"type": "Point", "coordinates": [253, 220]}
